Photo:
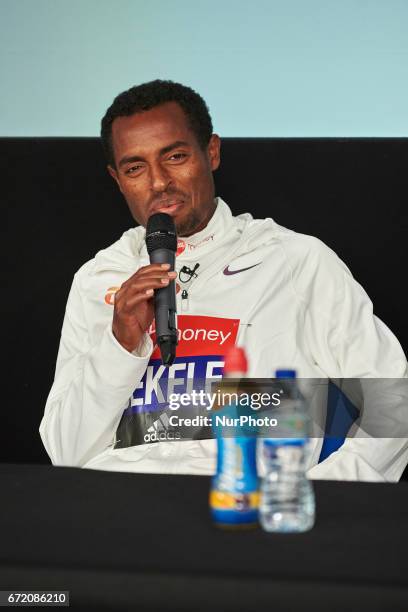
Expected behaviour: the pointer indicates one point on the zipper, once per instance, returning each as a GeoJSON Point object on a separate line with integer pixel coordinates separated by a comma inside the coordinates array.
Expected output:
{"type": "Point", "coordinates": [184, 300]}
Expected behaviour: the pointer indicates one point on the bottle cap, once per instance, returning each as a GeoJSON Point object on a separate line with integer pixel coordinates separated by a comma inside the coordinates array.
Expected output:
{"type": "Point", "coordinates": [285, 373]}
{"type": "Point", "coordinates": [235, 360]}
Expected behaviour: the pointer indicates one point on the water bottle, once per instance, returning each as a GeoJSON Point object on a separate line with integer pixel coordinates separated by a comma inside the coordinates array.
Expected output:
{"type": "Point", "coordinates": [234, 494]}
{"type": "Point", "coordinates": [287, 502]}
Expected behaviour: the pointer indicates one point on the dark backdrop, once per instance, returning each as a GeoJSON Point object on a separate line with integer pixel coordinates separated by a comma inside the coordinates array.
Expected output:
{"type": "Point", "coordinates": [61, 207]}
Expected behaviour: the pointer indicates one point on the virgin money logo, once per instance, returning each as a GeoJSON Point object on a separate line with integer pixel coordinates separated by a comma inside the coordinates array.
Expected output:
{"type": "Point", "coordinates": [200, 335]}
{"type": "Point", "coordinates": [192, 247]}
{"type": "Point", "coordinates": [181, 246]}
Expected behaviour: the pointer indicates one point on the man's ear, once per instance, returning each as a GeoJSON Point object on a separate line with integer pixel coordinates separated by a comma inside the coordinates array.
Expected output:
{"type": "Point", "coordinates": [213, 150]}
{"type": "Point", "coordinates": [114, 175]}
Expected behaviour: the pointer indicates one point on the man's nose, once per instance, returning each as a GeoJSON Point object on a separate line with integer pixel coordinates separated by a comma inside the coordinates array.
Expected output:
{"type": "Point", "coordinates": [159, 178]}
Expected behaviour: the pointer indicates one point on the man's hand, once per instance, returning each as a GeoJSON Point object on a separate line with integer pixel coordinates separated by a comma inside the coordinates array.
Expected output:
{"type": "Point", "coordinates": [134, 306]}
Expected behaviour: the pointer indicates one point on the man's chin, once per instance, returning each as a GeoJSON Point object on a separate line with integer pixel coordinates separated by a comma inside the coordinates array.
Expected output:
{"type": "Point", "coordinates": [187, 226]}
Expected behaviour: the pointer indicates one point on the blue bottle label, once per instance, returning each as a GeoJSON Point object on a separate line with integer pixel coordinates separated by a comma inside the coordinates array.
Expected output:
{"type": "Point", "coordinates": [234, 497]}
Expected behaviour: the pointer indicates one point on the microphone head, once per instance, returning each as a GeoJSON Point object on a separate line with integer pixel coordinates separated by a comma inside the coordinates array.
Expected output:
{"type": "Point", "coordinates": [161, 233]}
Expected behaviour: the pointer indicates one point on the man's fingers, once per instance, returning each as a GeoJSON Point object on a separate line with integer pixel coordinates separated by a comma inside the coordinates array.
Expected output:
{"type": "Point", "coordinates": [129, 320]}
{"type": "Point", "coordinates": [152, 281]}
{"type": "Point", "coordinates": [157, 269]}
{"type": "Point", "coordinates": [162, 278]}
{"type": "Point", "coordinates": [138, 299]}
{"type": "Point", "coordinates": [139, 289]}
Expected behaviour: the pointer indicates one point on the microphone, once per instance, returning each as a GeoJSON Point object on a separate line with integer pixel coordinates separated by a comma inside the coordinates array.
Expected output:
{"type": "Point", "coordinates": [161, 243]}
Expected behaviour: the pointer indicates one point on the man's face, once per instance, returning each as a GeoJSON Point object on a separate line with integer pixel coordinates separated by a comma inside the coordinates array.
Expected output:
{"type": "Point", "coordinates": [160, 167]}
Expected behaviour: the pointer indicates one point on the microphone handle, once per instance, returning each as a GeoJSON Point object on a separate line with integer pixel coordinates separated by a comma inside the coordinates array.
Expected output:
{"type": "Point", "coordinates": [165, 311]}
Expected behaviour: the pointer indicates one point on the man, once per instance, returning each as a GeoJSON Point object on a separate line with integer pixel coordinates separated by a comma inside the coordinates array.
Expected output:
{"type": "Point", "coordinates": [285, 297]}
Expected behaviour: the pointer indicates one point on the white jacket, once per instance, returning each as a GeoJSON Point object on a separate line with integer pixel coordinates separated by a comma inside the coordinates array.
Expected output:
{"type": "Point", "coordinates": [298, 306]}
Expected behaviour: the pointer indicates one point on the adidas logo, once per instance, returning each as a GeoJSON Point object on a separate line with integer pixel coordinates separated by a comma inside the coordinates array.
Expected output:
{"type": "Point", "coordinates": [158, 431]}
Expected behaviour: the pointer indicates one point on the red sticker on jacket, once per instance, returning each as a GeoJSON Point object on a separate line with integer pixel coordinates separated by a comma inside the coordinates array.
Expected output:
{"type": "Point", "coordinates": [201, 335]}
{"type": "Point", "coordinates": [181, 246]}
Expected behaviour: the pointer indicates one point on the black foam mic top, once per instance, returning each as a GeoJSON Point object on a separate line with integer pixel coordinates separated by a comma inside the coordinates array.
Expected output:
{"type": "Point", "coordinates": [161, 233]}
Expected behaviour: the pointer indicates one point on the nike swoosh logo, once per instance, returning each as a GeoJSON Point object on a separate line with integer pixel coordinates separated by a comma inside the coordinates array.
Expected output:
{"type": "Point", "coordinates": [229, 272]}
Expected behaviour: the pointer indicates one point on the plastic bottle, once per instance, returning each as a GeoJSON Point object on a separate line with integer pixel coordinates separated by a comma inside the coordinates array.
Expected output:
{"type": "Point", "coordinates": [234, 494]}
{"type": "Point", "coordinates": [287, 501]}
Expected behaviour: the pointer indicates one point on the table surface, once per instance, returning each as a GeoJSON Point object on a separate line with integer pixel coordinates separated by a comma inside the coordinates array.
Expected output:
{"type": "Point", "coordinates": [145, 542]}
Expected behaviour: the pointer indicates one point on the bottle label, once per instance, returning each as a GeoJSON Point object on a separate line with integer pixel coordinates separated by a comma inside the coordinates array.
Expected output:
{"type": "Point", "coordinates": [234, 497]}
{"type": "Point", "coordinates": [234, 508]}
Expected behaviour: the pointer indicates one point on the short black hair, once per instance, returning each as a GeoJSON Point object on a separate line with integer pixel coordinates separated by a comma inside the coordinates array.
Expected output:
{"type": "Point", "coordinates": [148, 95]}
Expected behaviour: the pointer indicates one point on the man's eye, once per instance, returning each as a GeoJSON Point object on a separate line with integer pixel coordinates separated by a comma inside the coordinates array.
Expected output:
{"type": "Point", "coordinates": [178, 156]}
{"type": "Point", "coordinates": [133, 169]}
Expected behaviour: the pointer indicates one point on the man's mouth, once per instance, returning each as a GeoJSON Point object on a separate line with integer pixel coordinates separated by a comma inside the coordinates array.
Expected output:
{"type": "Point", "coordinates": [170, 207]}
